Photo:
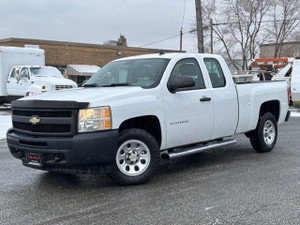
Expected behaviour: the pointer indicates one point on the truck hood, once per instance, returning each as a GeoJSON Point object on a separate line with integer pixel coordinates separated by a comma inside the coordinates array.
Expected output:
{"type": "Point", "coordinates": [98, 95]}
{"type": "Point", "coordinates": [53, 80]}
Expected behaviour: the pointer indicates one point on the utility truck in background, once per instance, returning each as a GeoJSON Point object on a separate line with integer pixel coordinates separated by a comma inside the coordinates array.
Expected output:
{"type": "Point", "coordinates": [295, 82]}
{"type": "Point", "coordinates": [23, 72]}
{"type": "Point", "coordinates": [137, 109]}
{"type": "Point", "coordinates": [287, 69]}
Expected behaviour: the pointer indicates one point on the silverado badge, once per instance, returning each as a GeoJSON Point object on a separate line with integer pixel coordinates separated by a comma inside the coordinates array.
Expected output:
{"type": "Point", "coordinates": [34, 120]}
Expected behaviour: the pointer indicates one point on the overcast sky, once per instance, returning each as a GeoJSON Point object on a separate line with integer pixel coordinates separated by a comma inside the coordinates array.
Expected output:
{"type": "Point", "coordinates": [94, 21]}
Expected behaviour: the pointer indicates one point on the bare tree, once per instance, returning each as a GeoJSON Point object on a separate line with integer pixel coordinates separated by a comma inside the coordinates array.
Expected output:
{"type": "Point", "coordinates": [238, 25]}
{"type": "Point", "coordinates": [285, 16]}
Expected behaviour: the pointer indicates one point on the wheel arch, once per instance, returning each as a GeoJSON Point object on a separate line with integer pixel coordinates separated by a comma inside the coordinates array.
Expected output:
{"type": "Point", "coordinates": [149, 123]}
{"type": "Point", "coordinates": [272, 107]}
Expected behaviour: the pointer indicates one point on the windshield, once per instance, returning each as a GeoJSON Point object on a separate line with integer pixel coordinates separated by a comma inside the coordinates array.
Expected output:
{"type": "Point", "coordinates": [145, 73]}
{"type": "Point", "coordinates": [45, 72]}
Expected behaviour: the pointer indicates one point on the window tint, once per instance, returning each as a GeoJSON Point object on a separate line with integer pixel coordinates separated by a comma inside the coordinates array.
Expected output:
{"type": "Point", "coordinates": [189, 67]}
{"type": "Point", "coordinates": [215, 72]}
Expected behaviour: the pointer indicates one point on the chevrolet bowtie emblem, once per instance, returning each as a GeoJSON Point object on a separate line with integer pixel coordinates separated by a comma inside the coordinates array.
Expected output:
{"type": "Point", "coordinates": [34, 120]}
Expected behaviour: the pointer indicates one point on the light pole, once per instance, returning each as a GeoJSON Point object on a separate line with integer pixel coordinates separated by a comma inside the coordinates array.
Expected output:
{"type": "Point", "coordinates": [211, 37]}
{"type": "Point", "coordinates": [181, 39]}
{"type": "Point", "coordinates": [199, 26]}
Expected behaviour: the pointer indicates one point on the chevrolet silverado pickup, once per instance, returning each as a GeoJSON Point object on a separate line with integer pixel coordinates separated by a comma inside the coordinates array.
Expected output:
{"type": "Point", "coordinates": [136, 110]}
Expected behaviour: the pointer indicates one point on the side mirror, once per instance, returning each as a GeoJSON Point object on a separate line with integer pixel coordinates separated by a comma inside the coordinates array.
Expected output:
{"type": "Point", "coordinates": [180, 82]}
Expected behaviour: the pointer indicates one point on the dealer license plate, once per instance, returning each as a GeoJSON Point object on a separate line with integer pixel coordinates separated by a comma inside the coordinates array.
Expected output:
{"type": "Point", "coordinates": [33, 159]}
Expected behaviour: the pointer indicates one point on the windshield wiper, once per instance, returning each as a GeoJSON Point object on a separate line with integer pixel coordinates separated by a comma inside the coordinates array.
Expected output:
{"type": "Point", "coordinates": [90, 85]}
{"type": "Point", "coordinates": [117, 85]}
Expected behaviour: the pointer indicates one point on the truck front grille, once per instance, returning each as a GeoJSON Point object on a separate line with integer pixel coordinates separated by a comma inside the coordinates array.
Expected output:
{"type": "Point", "coordinates": [44, 113]}
{"type": "Point", "coordinates": [43, 128]}
{"type": "Point", "coordinates": [62, 87]}
{"type": "Point", "coordinates": [45, 122]}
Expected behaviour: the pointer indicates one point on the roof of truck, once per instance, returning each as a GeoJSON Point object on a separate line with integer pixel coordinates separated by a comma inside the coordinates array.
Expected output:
{"type": "Point", "coordinates": [20, 50]}
{"type": "Point", "coordinates": [166, 55]}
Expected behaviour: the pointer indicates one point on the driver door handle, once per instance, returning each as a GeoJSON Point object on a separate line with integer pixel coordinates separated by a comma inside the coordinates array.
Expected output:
{"type": "Point", "coordinates": [205, 99]}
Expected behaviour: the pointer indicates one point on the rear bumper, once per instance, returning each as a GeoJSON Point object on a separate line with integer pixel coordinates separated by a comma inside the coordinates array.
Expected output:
{"type": "Point", "coordinates": [82, 151]}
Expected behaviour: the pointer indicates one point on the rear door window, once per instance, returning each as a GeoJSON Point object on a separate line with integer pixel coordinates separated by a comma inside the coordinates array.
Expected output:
{"type": "Point", "coordinates": [215, 72]}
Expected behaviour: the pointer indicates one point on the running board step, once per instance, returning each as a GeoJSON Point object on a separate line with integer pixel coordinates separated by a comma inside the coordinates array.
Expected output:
{"type": "Point", "coordinates": [196, 149]}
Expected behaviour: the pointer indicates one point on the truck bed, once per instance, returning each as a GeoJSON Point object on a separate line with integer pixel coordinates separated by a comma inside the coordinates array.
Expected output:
{"type": "Point", "coordinates": [252, 95]}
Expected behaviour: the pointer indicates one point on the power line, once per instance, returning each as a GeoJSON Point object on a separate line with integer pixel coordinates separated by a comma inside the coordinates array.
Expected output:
{"type": "Point", "coordinates": [262, 21]}
{"type": "Point", "coordinates": [175, 36]}
{"type": "Point", "coordinates": [160, 40]}
{"type": "Point", "coordinates": [206, 27]}
{"type": "Point", "coordinates": [171, 36]}
{"type": "Point", "coordinates": [183, 14]}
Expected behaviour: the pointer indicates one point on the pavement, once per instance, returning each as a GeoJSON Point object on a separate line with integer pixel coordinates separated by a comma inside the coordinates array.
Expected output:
{"type": "Point", "coordinates": [228, 185]}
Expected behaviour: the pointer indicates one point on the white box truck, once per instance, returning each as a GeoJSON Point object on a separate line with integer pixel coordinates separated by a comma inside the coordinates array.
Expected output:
{"type": "Point", "coordinates": [23, 72]}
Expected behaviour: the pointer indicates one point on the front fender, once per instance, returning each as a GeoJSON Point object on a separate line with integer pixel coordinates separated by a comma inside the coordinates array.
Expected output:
{"type": "Point", "coordinates": [34, 90]}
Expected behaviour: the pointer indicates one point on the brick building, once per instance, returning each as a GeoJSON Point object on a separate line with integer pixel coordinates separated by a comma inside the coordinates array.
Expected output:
{"type": "Point", "coordinates": [60, 53]}
{"type": "Point", "coordinates": [289, 49]}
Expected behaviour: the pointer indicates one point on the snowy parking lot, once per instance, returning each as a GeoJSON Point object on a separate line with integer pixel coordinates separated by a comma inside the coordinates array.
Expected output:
{"type": "Point", "coordinates": [5, 121]}
{"type": "Point", "coordinates": [227, 185]}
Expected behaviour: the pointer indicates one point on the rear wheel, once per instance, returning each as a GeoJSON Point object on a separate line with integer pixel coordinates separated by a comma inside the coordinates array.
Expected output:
{"type": "Point", "coordinates": [264, 137]}
{"type": "Point", "coordinates": [136, 159]}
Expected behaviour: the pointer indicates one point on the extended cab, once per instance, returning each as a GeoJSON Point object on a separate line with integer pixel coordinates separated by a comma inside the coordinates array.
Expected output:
{"type": "Point", "coordinates": [135, 110]}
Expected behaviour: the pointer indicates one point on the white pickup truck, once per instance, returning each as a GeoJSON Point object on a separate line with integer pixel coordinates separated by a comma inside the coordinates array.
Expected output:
{"type": "Point", "coordinates": [135, 110]}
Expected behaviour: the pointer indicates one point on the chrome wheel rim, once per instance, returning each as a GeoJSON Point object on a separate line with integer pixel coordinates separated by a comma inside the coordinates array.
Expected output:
{"type": "Point", "coordinates": [269, 132]}
{"type": "Point", "coordinates": [133, 157]}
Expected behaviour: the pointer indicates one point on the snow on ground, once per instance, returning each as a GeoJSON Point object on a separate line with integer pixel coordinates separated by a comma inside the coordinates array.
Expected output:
{"type": "Point", "coordinates": [5, 121]}
{"type": "Point", "coordinates": [295, 114]}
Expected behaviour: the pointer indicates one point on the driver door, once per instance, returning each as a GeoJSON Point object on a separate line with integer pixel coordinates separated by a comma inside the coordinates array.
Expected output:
{"type": "Point", "coordinates": [189, 111]}
{"type": "Point", "coordinates": [24, 82]}
{"type": "Point", "coordinates": [13, 82]}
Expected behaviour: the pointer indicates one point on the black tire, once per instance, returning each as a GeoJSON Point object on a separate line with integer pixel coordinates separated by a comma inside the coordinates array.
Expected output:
{"type": "Point", "coordinates": [264, 137]}
{"type": "Point", "coordinates": [136, 159]}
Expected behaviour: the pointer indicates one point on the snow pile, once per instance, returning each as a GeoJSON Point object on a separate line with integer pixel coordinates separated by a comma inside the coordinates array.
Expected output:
{"type": "Point", "coordinates": [5, 121]}
{"type": "Point", "coordinates": [295, 114]}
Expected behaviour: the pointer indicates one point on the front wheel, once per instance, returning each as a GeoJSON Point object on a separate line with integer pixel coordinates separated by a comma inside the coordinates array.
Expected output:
{"type": "Point", "coordinates": [136, 159]}
{"type": "Point", "coordinates": [264, 138]}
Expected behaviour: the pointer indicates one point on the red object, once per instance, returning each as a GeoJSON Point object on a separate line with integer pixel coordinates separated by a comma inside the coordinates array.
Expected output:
{"type": "Point", "coordinates": [269, 64]}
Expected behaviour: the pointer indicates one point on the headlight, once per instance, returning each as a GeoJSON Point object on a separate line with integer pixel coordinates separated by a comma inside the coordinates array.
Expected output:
{"type": "Point", "coordinates": [94, 119]}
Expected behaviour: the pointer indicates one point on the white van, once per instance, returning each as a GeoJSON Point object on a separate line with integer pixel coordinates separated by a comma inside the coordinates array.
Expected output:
{"type": "Point", "coordinates": [295, 82]}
